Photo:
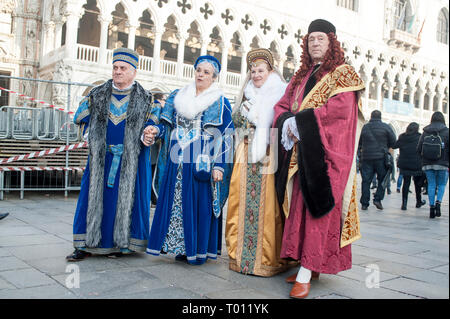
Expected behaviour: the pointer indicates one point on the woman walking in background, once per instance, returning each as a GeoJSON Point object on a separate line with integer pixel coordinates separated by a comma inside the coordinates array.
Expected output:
{"type": "Point", "coordinates": [433, 147]}
{"type": "Point", "coordinates": [410, 163]}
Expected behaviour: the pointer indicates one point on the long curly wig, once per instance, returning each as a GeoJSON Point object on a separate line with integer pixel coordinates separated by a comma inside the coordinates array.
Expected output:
{"type": "Point", "coordinates": [334, 57]}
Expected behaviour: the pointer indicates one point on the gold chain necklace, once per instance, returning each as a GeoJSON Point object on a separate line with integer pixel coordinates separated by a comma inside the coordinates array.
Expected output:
{"type": "Point", "coordinates": [297, 93]}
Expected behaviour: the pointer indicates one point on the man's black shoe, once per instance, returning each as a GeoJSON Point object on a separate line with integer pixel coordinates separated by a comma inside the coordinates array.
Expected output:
{"type": "Point", "coordinates": [78, 255]}
{"type": "Point", "coordinates": [3, 215]}
{"type": "Point", "coordinates": [364, 207]}
{"type": "Point", "coordinates": [378, 204]}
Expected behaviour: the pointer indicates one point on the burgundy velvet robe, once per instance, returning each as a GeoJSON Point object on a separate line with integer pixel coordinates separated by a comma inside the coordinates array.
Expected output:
{"type": "Point", "coordinates": [315, 242]}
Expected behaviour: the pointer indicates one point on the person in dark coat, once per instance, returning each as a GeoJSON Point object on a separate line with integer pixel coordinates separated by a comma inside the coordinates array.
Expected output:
{"type": "Point", "coordinates": [436, 170]}
{"type": "Point", "coordinates": [376, 139]}
{"type": "Point", "coordinates": [410, 163]}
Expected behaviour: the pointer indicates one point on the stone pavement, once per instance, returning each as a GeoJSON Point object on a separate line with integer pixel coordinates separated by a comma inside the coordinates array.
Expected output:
{"type": "Point", "coordinates": [402, 255]}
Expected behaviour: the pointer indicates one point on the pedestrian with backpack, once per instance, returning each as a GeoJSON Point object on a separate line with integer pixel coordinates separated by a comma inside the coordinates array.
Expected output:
{"type": "Point", "coordinates": [410, 163]}
{"type": "Point", "coordinates": [433, 147]}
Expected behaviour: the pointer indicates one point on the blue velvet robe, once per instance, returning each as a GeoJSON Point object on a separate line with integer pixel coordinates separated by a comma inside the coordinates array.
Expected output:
{"type": "Point", "coordinates": [140, 223]}
{"type": "Point", "coordinates": [201, 199]}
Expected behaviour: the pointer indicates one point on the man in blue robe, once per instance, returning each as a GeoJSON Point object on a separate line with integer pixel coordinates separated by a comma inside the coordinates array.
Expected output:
{"type": "Point", "coordinates": [120, 120]}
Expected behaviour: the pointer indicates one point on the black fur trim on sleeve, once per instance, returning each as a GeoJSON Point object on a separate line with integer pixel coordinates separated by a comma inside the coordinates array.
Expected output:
{"type": "Point", "coordinates": [314, 180]}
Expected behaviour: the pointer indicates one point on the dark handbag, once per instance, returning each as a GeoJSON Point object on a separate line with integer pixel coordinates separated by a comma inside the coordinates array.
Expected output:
{"type": "Point", "coordinates": [388, 160]}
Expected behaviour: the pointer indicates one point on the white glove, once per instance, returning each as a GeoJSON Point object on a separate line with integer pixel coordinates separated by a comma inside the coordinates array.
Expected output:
{"type": "Point", "coordinates": [289, 126]}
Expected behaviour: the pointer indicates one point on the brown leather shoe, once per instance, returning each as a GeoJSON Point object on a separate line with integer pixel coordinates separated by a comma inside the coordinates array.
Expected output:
{"type": "Point", "coordinates": [291, 279]}
{"type": "Point", "coordinates": [300, 291]}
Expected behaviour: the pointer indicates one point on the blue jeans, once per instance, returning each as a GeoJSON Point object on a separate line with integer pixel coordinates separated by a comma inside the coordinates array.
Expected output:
{"type": "Point", "coordinates": [399, 181]}
{"type": "Point", "coordinates": [368, 170]}
{"type": "Point", "coordinates": [436, 178]}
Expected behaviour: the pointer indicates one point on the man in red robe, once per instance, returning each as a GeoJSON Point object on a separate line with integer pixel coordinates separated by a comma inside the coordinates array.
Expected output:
{"type": "Point", "coordinates": [318, 121]}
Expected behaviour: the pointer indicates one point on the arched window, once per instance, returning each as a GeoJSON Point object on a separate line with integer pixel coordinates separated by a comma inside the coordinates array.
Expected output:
{"type": "Point", "coordinates": [89, 26]}
{"type": "Point", "coordinates": [235, 54]}
{"type": "Point", "coordinates": [289, 65]}
{"type": "Point", "coordinates": [169, 43]}
{"type": "Point", "coordinates": [118, 30]}
{"type": "Point", "coordinates": [193, 44]}
{"type": "Point", "coordinates": [215, 45]}
{"type": "Point", "coordinates": [442, 27]}
{"type": "Point", "coordinates": [145, 37]}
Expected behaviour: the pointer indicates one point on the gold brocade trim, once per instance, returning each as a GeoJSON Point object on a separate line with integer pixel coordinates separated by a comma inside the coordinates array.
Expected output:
{"type": "Point", "coordinates": [293, 168]}
{"type": "Point", "coordinates": [136, 245]}
{"type": "Point", "coordinates": [343, 79]}
{"type": "Point", "coordinates": [242, 201]}
{"type": "Point", "coordinates": [81, 116]}
{"type": "Point", "coordinates": [262, 206]}
{"type": "Point", "coordinates": [351, 226]}
{"type": "Point", "coordinates": [264, 270]}
{"type": "Point", "coordinates": [117, 119]}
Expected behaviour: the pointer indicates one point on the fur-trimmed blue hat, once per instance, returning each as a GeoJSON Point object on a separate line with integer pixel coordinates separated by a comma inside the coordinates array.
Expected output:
{"type": "Point", "coordinates": [126, 55]}
{"type": "Point", "coordinates": [211, 60]}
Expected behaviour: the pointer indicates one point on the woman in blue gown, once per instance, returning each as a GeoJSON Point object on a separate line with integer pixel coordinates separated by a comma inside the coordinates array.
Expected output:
{"type": "Point", "coordinates": [194, 168]}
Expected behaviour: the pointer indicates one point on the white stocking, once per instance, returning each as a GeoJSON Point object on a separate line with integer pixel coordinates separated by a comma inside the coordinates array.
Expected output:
{"type": "Point", "coordinates": [304, 275]}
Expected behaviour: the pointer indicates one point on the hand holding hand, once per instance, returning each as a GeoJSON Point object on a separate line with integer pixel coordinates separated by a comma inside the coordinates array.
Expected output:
{"type": "Point", "coordinates": [149, 135]}
{"type": "Point", "coordinates": [217, 175]}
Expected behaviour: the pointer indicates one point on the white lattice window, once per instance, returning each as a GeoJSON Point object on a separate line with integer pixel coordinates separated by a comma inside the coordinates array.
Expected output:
{"type": "Point", "coordinates": [442, 27]}
{"type": "Point", "coordinates": [348, 4]}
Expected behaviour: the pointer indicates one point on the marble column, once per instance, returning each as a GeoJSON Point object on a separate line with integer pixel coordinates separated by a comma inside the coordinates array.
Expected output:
{"type": "Point", "coordinates": [205, 42]}
{"type": "Point", "coordinates": [224, 63]}
{"type": "Point", "coordinates": [71, 35]}
{"type": "Point", "coordinates": [243, 65]}
{"type": "Point", "coordinates": [104, 24]}
{"type": "Point", "coordinates": [131, 35]}
{"type": "Point", "coordinates": [180, 54]}
{"type": "Point", "coordinates": [157, 52]}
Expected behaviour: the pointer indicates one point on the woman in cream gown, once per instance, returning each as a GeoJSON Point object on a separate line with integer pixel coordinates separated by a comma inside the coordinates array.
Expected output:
{"type": "Point", "coordinates": [254, 224]}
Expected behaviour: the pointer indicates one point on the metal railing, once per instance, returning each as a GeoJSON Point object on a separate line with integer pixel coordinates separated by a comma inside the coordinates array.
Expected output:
{"type": "Point", "coordinates": [39, 123]}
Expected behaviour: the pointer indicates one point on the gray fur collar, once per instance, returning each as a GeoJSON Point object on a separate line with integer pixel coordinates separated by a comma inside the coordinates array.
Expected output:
{"type": "Point", "coordinates": [99, 103]}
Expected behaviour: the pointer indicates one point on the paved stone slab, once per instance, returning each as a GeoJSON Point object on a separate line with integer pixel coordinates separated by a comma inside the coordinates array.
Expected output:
{"type": "Point", "coordinates": [5, 285]}
{"type": "Point", "coordinates": [41, 251]}
{"type": "Point", "coordinates": [360, 273]}
{"type": "Point", "coordinates": [429, 276]}
{"type": "Point", "coordinates": [18, 231]}
{"type": "Point", "coordinates": [55, 291]}
{"type": "Point", "coordinates": [25, 278]}
{"type": "Point", "coordinates": [394, 268]}
{"type": "Point", "coordinates": [31, 240]}
{"type": "Point", "coordinates": [12, 263]}
{"type": "Point", "coordinates": [417, 288]}
{"type": "Point", "coordinates": [112, 283]}
{"type": "Point", "coordinates": [51, 266]}
{"type": "Point", "coordinates": [4, 252]}
{"type": "Point", "coordinates": [442, 269]}
{"type": "Point", "coordinates": [161, 293]}
{"type": "Point", "coordinates": [358, 290]}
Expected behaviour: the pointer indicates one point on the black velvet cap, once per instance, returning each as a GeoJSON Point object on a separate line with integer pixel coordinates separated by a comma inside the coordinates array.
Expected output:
{"type": "Point", "coordinates": [321, 25]}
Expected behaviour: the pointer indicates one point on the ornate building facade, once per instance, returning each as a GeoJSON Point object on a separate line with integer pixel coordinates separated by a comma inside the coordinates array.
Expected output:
{"type": "Point", "coordinates": [399, 47]}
